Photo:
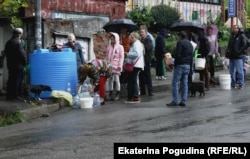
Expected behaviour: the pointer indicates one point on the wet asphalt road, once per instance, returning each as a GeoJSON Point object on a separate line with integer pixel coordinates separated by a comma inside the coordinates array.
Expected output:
{"type": "Point", "coordinates": [220, 116]}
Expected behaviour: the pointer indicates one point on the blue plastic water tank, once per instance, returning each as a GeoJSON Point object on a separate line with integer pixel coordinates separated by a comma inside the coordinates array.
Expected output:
{"type": "Point", "coordinates": [55, 69]}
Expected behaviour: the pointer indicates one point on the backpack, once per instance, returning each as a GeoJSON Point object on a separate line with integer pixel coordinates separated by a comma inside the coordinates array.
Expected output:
{"type": "Point", "coordinates": [204, 47]}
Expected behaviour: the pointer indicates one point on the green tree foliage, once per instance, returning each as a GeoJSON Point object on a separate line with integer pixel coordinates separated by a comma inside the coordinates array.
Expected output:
{"type": "Point", "coordinates": [164, 16]}
{"type": "Point", "coordinates": [248, 8]}
{"type": "Point", "coordinates": [10, 8]}
{"type": "Point", "coordinates": [140, 16]}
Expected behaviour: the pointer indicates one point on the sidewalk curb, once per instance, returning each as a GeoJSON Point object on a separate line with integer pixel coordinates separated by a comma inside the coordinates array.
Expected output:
{"type": "Point", "coordinates": [45, 109]}
{"type": "Point", "coordinates": [37, 112]}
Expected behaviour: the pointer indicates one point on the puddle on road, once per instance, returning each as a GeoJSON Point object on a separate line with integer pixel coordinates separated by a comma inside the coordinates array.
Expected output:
{"type": "Point", "coordinates": [183, 125]}
{"type": "Point", "coordinates": [243, 110]}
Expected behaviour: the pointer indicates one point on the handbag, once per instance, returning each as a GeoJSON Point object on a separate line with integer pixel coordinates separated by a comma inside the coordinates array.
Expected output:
{"type": "Point", "coordinates": [129, 67]}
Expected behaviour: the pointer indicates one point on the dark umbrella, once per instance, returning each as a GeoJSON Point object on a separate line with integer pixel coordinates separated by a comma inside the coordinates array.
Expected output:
{"type": "Point", "coordinates": [115, 25]}
{"type": "Point", "coordinates": [191, 26]}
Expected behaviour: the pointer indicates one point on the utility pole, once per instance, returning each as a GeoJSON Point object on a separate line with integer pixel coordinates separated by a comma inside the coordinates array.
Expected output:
{"type": "Point", "coordinates": [38, 35]}
{"type": "Point", "coordinates": [223, 12]}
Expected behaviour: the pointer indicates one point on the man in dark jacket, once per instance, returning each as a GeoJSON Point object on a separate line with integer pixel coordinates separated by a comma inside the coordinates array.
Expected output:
{"type": "Point", "coordinates": [236, 48]}
{"type": "Point", "coordinates": [16, 61]}
{"type": "Point", "coordinates": [145, 75]}
{"type": "Point", "coordinates": [160, 51]}
{"type": "Point", "coordinates": [183, 56]}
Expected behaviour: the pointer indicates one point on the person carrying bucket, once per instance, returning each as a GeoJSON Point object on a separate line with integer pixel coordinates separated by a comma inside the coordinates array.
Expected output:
{"type": "Point", "coordinates": [203, 50]}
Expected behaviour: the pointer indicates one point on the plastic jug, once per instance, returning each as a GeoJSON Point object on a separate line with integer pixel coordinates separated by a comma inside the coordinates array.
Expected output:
{"type": "Point", "coordinates": [96, 101]}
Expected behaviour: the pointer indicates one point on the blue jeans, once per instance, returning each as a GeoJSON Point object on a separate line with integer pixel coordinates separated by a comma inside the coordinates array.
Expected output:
{"type": "Point", "coordinates": [236, 65]}
{"type": "Point", "coordinates": [180, 74]}
{"type": "Point", "coordinates": [244, 59]}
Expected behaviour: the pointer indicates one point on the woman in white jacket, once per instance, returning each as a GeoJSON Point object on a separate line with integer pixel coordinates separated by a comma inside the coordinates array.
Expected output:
{"type": "Point", "coordinates": [135, 55]}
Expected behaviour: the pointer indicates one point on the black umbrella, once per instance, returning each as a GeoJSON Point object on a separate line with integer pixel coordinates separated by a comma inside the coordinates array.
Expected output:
{"type": "Point", "coordinates": [191, 26]}
{"type": "Point", "coordinates": [115, 25]}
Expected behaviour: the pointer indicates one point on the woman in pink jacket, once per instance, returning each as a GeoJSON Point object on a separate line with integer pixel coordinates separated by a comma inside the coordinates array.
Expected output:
{"type": "Point", "coordinates": [115, 57]}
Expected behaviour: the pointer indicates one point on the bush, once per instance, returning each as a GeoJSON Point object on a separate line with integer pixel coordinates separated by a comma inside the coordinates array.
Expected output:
{"type": "Point", "coordinates": [140, 16]}
{"type": "Point", "coordinates": [164, 16]}
{"type": "Point", "coordinates": [171, 43]}
{"type": "Point", "coordinates": [223, 37]}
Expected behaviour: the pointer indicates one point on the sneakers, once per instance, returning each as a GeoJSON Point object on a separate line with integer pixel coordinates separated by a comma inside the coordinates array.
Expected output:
{"type": "Point", "coordinates": [237, 87]}
{"type": "Point", "coordinates": [133, 100]}
{"type": "Point", "coordinates": [160, 78]}
{"type": "Point", "coordinates": [240, 87]}
{"type": "Point", "coordinates": [182, 104]}
{"type": "Point", "coordinates": [172, 104]}
{"type": "Point", "coordinates": [163, 78]}
{"type": "Point", "coordinates": [150, 94]}
{"type": "Point", "coordinates": [175, 104]}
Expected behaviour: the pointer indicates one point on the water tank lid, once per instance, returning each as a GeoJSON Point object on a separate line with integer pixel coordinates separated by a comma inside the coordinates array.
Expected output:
{"type": "Point", "coordinates": [66, 49]}
{"type": "Point", "coordinates": [39, 51]}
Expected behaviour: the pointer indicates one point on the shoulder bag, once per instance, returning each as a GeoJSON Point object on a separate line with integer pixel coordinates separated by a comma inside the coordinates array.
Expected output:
{"type": "Point", "coordinates": [129, 67]}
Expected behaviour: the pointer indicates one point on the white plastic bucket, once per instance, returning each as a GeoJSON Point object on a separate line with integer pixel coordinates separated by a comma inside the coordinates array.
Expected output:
{"type": "Point", "coordinates": [86, 102]}
{"type": "Point", "coordinates": [225, 81]}
{"type": "Point", "coordinates": [200, 63]}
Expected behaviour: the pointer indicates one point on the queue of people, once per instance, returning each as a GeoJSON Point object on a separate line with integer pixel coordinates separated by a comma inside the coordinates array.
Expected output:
{"type": "Point", "coordinates": [105, 74]}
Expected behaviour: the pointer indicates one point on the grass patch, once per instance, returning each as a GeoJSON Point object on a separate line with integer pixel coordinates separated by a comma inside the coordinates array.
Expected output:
{"type": "Point", "coordinates": [12, 118]}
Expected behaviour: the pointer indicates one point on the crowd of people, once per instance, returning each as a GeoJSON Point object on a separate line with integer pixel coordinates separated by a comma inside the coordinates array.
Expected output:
{"type": "Point", "coordinates": [138, 48]}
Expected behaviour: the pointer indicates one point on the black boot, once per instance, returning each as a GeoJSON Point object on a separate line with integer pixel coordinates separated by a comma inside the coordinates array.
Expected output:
{"type": "Point", "coordinates": [109, 98]}
{"type": "Point", "coordinates": [117, 96]}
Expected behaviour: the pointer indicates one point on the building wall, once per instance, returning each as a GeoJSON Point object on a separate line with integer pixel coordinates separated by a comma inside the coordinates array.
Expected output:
{"type": "Point", "coordinates": [111, 8]}
{"type": "Point", "coordinates": [84, 18]}
{"type": "Point", "coordinates": [96, 42]}
{"type": "Point", "coordinates": [205, 11]}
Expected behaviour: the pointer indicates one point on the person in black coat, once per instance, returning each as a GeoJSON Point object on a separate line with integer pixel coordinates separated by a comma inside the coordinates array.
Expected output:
{"type": "Point", "coordinates": [160, 51]}
{"type": "Point", "coordinates": [237, 45]}
{"type": "Point", "coordinates": [145, 75]}
{"type": "Point", "coordinates": [183, 56]}
{"type": "Point", "coordinates": [203, 50]}
{"type": "Point", "coordinates": [16, 61]}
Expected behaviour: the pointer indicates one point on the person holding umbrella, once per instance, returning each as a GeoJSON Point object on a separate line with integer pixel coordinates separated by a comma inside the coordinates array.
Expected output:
{"type": "Point", "coordinates": [125, 42]}
{"type": "Point", "coordinates": [183, 56]}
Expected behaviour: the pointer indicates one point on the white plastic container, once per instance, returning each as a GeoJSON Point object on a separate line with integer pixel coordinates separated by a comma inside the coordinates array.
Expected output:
{"type": "Point", "coordinates": [96, 100]}
{"type": "Point", "coordinates": [200, 63]}
{"type": "Point", "coordinates": [225, 81]}
{"type": "Point", "coordinates": [86, 102]}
